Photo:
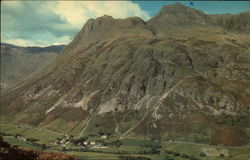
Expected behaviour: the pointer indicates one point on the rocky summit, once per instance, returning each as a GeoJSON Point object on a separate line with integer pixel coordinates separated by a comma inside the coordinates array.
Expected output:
{"type": "Point", "coordinates": [183, 74]}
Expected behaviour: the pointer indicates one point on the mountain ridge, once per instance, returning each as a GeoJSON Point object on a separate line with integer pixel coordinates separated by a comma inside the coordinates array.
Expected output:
{"type": "Point", "coordinates": [18, 63]}
{"type": "Point", "coordinates": [179, 15]}
{"type": "Point", "coordinates": [35, 49]}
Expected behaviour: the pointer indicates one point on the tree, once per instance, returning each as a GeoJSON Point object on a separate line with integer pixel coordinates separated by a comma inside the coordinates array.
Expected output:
{"type": "Point", "coordinates": [168, 158]}
{"type": "Point", "coordinates": [203, 155]}
{"type": "Point", "coordinates": [33, 140]}
{"type": "Point", "coordinates": [44, 146]}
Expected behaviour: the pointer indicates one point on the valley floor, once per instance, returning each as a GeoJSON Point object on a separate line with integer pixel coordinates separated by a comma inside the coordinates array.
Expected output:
{"type": "Point", "coordinates": [126, 149]}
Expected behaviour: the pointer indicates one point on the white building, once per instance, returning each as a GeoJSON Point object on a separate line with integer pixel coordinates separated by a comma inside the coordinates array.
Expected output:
{"type": "Point", "coordinates": [92, 143]}
{"type": "Point", "coordinates": [62, 141]}
{"type": "Point", "coordinates": [85, 142]}
{"type": "Point", "coordinates": [104, 136]}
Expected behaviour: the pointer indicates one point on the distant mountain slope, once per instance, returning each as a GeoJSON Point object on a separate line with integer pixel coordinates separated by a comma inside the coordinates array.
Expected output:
{"type": "Point", "coordinates": [34, 50]}
{"type": "Point", "coordinates": [182, 75]}
{"type": "Point", "coordinates": [18, 63]}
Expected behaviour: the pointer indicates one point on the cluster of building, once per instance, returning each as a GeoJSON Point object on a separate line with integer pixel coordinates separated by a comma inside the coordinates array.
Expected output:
{"type": "Point", "coordinates": [65, 141]}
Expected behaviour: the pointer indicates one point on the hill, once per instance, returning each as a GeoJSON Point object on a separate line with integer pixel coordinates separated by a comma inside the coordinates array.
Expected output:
{"type": "Point", "coordinates": [18, 63]}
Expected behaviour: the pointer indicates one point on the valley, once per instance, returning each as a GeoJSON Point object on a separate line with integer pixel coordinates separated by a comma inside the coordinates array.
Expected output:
{"type": "Point", "coordinates": [114, 149]}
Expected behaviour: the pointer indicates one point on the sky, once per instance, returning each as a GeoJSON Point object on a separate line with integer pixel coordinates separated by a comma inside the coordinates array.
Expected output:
{"type": "Point", "coordinates": [44, 23]}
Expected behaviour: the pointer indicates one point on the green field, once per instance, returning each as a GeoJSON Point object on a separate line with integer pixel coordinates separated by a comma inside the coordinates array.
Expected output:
{"type": "Point", "coordinates": [44, 136]}
{"type": "Point", "coordinates": [20, 143]}
{"type": "Point", "coordinates": [93, 155]}
{"type": "Point", "coordinates": [129, 147]}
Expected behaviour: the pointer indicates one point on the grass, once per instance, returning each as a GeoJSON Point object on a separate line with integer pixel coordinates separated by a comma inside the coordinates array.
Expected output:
{"type": "Point", "coordinates": [94, 155]}
{"type": "Point", "coordinates": [134, 142]}
{"type": "Point", "coordinates": [122, 149]}
{"type": "Point", "coordinates": [108, 156]}
{"type": "Point", "coordinates": [240, 153]}
{"type": "Point", "coordinates": [44, 136]}
{"type": "Point", "coordinates": [20, 143]}
{"type": "Point", "coordinates": [189, 149]}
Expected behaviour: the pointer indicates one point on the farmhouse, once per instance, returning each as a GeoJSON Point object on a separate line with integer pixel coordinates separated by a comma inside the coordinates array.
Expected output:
{"type": "Point", "coordinates": [85, 142]}
{"type": "Point", "coordinates": [92, 143]}
{"type": "Point", "coordinates": [104, 136]}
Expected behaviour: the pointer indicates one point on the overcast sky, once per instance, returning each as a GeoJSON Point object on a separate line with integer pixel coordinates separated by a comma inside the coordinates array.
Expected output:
{"type": "Point", "coordinates": [43, 23]}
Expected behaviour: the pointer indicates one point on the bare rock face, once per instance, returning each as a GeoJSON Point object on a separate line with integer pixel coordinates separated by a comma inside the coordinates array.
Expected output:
{"type": "Point", "coordinates": [182, 73]}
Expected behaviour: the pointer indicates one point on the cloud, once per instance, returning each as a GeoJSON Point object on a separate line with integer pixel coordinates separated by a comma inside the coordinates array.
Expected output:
{"type": "Point", "coordinates": [19, 42]}
{"type": "Point", "coordinates": [56, 22]}
{"type": "Point", "coordinates": [77, 12]}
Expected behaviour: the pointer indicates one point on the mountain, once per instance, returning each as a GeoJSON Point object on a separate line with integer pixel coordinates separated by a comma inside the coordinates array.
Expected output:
{"type": "Point", "coordinates": [34, 50]}
{"type": "Point", "coordinates": [178, 15]}
{"type": "Point", "coordinates": [18, 63]}
{"type": "Point", "coordinates": [181, 75]}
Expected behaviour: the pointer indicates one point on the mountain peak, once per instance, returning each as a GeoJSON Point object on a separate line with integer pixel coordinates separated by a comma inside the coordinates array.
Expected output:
{"type": "Point", "coordinates": [92, 24]}
{"type": "Point", "coordinates": [174, 6]}
{"type": "Point", "coordinates": [177, 14]}
{"type": "Point", "coordinates": [178, 9]}
{"type": "Point", "coordinates": [105, 17]}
